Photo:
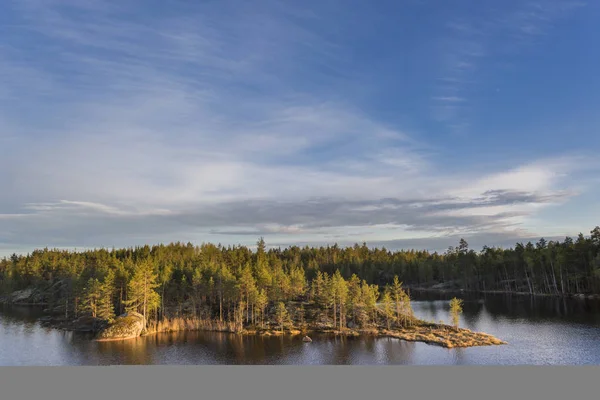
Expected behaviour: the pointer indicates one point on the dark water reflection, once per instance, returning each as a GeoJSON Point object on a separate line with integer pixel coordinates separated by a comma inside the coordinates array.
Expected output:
{"type": "Point", "coordinates": [539, 331]}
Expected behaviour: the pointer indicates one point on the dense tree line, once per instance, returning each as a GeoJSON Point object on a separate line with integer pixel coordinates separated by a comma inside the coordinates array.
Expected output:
{"type": "Point", "coordinates": [341, 284]}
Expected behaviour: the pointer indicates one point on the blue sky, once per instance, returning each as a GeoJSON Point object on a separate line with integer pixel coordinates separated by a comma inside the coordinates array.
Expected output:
{"type": "Point", "coordinates": [404, 124]}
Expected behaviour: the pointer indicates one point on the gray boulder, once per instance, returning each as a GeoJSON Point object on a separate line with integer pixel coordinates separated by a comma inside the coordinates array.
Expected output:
{"type": "Point", "coordinates": [21, 296]}
{"type": "Point", "coordinates": [126, 326]}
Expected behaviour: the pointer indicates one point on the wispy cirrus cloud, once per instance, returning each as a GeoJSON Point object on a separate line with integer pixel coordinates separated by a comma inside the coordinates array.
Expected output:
{"type": "Point", "coordinates": [474, 46]}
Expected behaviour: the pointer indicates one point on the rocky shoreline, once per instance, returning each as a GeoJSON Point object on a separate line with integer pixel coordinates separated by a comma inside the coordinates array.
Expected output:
{"type": "Point", "coordinates": [439, 335]}
{"type": "Point", "coordinates": [130, 327]}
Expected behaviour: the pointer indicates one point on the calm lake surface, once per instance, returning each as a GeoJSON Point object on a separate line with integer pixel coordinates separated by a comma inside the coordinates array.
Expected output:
{"type": "Point", "coordinates": [539, 331]}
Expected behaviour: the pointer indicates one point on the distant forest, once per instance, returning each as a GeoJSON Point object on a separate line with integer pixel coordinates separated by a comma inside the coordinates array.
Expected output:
{"type": "Point", "coordinates": [237, 283]}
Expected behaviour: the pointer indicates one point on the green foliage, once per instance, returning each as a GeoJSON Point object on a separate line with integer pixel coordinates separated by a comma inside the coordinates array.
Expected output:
{"type": "Point", "coordinates": [388, 310]}
{"type": "Point", "coordinates": [261, 304]}
{"type": "Point", "coordinates": [339, 292]}
{"type": "Point", "coordinates": [142, 296]}
{"type": "Point", "coordinates": [401, 300]}
{"type": "Point", "coordinates": [282, 316]}
{"type": "Point", "coordinates": [107, 290]}
{"type": "Point", "coordinates": [340, 285]}
{"type": "Point", "coordinates": [370, 294]}
{"type": "Point", "coordinates": [455, 310]}
{"type": "Point", "coordinates": [91, 296]}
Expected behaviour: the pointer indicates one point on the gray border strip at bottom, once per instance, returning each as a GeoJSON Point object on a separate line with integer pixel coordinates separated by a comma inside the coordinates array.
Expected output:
{"type": "Point", "coordinates": [299, 382]}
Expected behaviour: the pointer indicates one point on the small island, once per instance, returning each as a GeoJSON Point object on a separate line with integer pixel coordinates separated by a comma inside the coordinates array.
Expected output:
{"type": "Point", "coordinates": [125, 294]}
{"type": "Point", "coordinates": [300, 318]}
{"type": "Point", "coordinates": [130, 326]}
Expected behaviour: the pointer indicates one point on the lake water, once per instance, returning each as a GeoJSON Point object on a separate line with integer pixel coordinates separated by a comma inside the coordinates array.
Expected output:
{"type": "Point", "coordinates": [539, 331]}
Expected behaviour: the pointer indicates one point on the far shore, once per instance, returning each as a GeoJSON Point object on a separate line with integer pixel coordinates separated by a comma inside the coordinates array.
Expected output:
{"type": "Point", "coordinates": [580, 296]}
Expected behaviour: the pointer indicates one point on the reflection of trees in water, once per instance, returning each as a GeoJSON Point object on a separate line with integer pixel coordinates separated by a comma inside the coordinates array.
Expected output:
{"type": "Point", "coordinates": [326, 350]}
{"type": "Point", "coordinates": [459, 356]}
{"type": "Point", "coordinates": [444, 296]}
{"type": "Point", "coordinates": [368, 344]}
{"type": "Point", "coordinates": [23, 318]}
{"type": "Point", "coordinates": [472, 311]}
{"type": "Point", "coordinates": [433, 310]}
{"type": "Point", "coordinates": [263, 350]}
{"type": "Point", "coordinates": [537, 308]}
{"type": "Point", "coordinates": [80, 349]}
{"type": "Point", "coordinates": [20, 313]}
{"type": "Point", "coordinates": [367, 350]}
{"type": "Point", "coordinates": [396, 351]}
{"type": "Point", "coordinates": [204, 347]}
{"type": "Point", "coordinates": [214, 347]}
{"type": "Point", "coordinates": [510, 307]}
{"type": "Point", "coordinates": [236, 345]}
{"type": "Point", "coordinates": [198, 349]}
{"type": "Point", "coordinates": [343, 353]}
{"type": "Point", "coordinates": [256, 349]}
{"type": "Point", "coordinates": [138, 351]}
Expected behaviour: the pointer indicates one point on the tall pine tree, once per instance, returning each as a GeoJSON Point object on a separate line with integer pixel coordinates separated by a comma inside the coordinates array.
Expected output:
{"type": "Point", "coordinates": [142, 296]}
{"type": "Point", "coordinates": [106, 310]}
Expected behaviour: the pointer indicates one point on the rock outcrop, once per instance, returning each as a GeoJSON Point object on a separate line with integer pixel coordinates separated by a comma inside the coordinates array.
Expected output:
{"type": "Point", "coordinates": [41, 295]}
{"type": "Point", "coordinates": [126, 326]}
{"type": "Point", "coordinates": [20, 296]}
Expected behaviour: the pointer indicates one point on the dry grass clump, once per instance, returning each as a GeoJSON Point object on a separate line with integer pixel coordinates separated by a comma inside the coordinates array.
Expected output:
{"type": "Point", "coordinates": [445, 336]}
{"type": "Point", "coordinates": [177, 324]}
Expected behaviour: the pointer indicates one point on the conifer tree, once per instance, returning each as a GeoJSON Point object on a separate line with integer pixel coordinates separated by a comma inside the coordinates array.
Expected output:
{"type": "Point", "coordinates": [455, 311]}
{"type": "Point", "coordinates": [141, 290]}
{"type": "Point", "coordinates": [106, 309]}
{"type": "Point", "coordinates": [261, 304]}
{"type": "Point", "coordinates": [281, 315]}
{"type": "Point", "coordinates": [387, 304]}
{"type": "Point", "coordinates": [301, 315]}
{"type": "Point", "coordinates": [397, 295]}
{"type": "Point", "coordinates": [165, 275]}
{"type": "Point", "coordinates": [91, 295]}
{"type": "Point", "coordinates": [247, 287]}
{"type": "Point", "coordinates": [355, 305]}
{"type": "Point", "coordinates": [340, 293]}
